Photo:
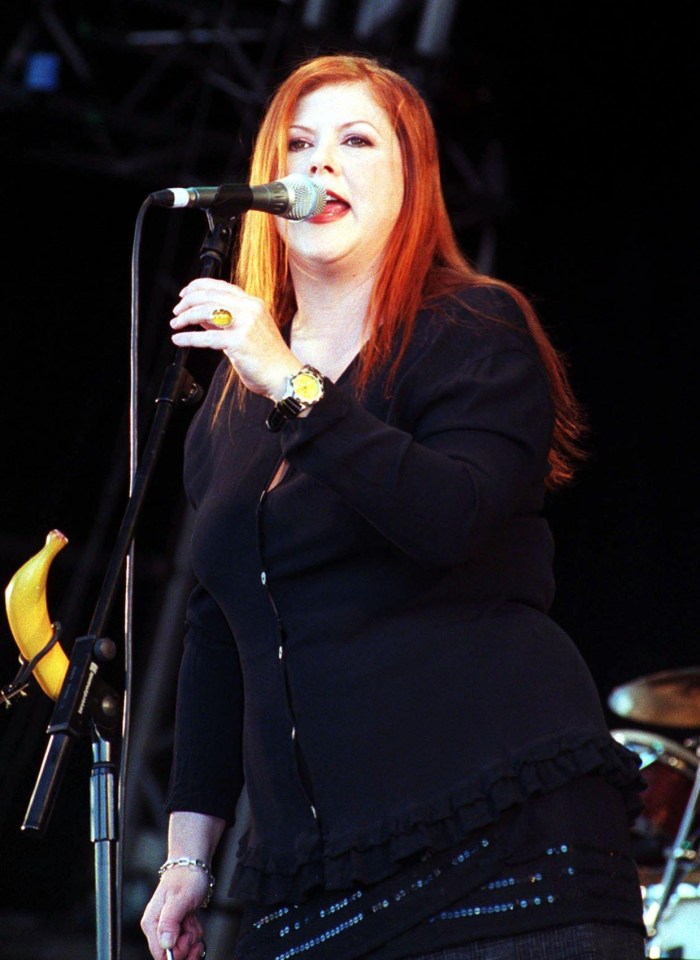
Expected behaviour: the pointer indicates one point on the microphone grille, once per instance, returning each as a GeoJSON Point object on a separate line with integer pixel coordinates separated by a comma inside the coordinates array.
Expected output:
{"type": "Point", "coordinates": [307, 197]}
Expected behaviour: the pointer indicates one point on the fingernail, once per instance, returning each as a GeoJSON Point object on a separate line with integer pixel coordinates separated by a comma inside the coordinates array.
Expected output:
{"type": "Point", "coordinates": [166, 940]}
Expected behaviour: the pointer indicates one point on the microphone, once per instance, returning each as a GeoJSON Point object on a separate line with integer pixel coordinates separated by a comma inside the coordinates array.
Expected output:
{"type": "Point", "coordinates": [294, 197]}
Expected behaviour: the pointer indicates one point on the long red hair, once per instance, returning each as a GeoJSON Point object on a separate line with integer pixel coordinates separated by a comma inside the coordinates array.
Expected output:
{"type": "Point", "coordinates": [422, 260]}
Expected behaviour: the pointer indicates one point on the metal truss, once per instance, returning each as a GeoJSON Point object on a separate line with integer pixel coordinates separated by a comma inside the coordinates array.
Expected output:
{"type": "Point", "coordinates": [169, 92]}
{"type": "Point", "coordinates": [143, 90]}
{"type": "Point", "coordinates": [160, 92]}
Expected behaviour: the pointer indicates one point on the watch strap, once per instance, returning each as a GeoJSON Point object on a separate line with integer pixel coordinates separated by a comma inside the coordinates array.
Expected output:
{"type": "Point", "coordinates": [290, 406]}
{"type": "Point", "coordinates": [285, 410]}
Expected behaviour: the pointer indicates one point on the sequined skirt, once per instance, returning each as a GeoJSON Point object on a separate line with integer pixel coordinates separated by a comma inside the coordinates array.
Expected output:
{"type": "Point", "coordinates": [560, 859]}
{"type": "Point", "coordinates": [581, 941]}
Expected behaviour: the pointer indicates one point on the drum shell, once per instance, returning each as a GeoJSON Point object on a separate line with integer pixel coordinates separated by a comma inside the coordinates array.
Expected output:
{"type": "Point", "coordinates": [669, 770]}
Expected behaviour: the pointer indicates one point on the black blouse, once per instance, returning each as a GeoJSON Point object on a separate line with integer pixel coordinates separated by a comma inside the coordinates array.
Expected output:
{"type": "Point", "coordinates": [368, 645]}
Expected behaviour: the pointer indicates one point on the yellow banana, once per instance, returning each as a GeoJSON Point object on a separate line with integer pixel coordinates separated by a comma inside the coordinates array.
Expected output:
{"type": "Point", "coordinates": [28, 615]}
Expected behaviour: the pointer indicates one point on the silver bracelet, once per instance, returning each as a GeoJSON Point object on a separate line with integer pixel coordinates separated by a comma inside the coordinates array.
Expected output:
{"type": "Point", "coordinates": [197, 864]}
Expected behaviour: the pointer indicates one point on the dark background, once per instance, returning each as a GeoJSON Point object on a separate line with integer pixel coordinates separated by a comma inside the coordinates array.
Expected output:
{"type": "Point", "coordinates": [594, 110]}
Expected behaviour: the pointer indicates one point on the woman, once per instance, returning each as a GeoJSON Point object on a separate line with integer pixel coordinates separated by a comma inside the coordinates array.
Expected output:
{"type": "Point", "coordinates": [425, 755]}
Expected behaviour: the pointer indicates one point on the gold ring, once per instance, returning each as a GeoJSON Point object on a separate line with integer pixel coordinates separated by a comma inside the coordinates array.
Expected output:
{"type": "Point", "coordinates": [221, 318]}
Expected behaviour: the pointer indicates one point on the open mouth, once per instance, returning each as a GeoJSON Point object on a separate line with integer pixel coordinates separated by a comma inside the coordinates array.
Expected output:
{"type": "Point", "coordinates": [334, 203]}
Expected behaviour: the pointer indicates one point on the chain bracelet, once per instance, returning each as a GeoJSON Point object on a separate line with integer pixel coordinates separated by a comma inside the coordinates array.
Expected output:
{"type": "Point", "coordinates": [196, 864]}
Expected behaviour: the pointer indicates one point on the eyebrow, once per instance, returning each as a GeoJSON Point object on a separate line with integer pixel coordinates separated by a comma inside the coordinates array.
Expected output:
{"type": "Point", "coordinates": [343, 126]}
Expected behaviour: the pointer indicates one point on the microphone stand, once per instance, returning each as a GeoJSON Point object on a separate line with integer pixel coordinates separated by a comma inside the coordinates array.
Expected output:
{"type": "Point", "coordinates": [86, 704]}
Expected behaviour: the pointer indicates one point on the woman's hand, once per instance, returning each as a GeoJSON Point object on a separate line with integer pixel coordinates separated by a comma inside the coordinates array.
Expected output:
{"type": "Point", "coordinates": [170, 919]}
{"type": "Point", "coordinates": [251, 342]}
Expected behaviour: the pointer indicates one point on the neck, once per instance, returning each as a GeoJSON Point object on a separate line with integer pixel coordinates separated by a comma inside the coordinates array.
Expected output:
{"type": "Point", "coordinates": [324, 298]}
{"type": "Point", "coordinates": [329, 327]}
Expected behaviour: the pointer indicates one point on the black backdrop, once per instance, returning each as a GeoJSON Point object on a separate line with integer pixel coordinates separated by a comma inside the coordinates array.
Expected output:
{"type": "Point", "coordinates": [596, 119]}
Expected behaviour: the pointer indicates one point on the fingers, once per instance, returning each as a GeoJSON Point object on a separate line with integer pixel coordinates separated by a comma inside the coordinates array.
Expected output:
{"type": "Point", "coordinates": [251, 341]}
{"type": "Point", "coordinates": [184, 942]}
{"type": "Point", "coordinates": [187, 948]}
{"type": "Point", "coordinates": [149, 925]}
{"type": "Point", "coordinates": [202, 300]}
{"type": "Point", "coordinates": [201, 338]}
{"type": "Point", "coordinates": [193, 311]}
{"type": "Point", "coordinates": [177, 930]}
{"type": "Point", "coordinates": [190, 944]}
{"type": "Point", "coordinates": [210, 283]}
{"type": "Point", "coordinates": [198, 952]}
{"type": "Point", "coordinates": [199, 298]}
{"type": "Point", "coordinates": [170, 922]}
{"type": "Point", "coordinates": [197, 948]}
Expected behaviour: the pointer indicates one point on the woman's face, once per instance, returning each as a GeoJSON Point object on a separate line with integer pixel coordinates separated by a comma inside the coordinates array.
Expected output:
{"type": "Point", "coordinates": [343, 139]}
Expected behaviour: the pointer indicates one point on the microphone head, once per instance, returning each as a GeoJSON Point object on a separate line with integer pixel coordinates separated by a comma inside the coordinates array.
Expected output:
{"type": "Point", "coordinates": [306, 197]}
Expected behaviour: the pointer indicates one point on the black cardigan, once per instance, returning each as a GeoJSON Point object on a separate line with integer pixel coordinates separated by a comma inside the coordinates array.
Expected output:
{"type": "Point", "coordinates": [368, 646]}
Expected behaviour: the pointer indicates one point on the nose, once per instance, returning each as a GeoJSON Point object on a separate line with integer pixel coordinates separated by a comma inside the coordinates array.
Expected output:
{"type": "Point", "coordinates": [323, 157]}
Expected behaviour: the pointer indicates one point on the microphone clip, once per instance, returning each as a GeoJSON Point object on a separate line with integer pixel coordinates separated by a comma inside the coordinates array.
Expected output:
{"type": "Point", "coordinates": [84, 695]}
{"type": "Point", "coordinates": [19, 683]}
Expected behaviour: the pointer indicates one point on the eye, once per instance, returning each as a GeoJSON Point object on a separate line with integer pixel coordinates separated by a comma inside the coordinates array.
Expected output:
{"type": "Point", "coordinates": [355, 140]}
{"type": "Point", "coordinates": [297, 144]}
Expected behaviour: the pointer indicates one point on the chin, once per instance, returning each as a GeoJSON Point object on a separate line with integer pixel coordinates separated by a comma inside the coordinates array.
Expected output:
{"type": "Point", "coordinates": [320, 253]}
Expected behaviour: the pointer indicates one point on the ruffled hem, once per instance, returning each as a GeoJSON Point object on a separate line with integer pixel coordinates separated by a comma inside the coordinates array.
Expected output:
{"type": "Point", "coordinates": [376, 852]}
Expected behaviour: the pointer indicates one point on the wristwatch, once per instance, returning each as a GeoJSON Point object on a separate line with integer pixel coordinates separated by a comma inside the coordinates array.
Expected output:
{"type": "Point", "coordinates": [304, 389]}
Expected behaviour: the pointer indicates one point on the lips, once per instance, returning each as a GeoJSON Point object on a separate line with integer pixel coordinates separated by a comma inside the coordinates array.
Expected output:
{"type": "Point", "coordinates": [335, 207]}
{"type": "Point", "coordinates": [334, 200]}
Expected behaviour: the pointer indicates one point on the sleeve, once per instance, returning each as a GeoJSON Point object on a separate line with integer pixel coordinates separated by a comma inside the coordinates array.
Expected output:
{"type": "Point", "coordinates": [206, 774]}
{"type": "Point", "coordinates": [464, 447]}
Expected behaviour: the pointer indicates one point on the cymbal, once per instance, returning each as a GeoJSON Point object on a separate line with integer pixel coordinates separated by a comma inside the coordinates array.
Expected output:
{"type": "Point", "coordinates": [668, 699]}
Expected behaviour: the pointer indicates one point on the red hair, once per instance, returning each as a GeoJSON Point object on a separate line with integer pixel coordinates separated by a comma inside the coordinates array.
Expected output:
{"type": "Point", "coordinates": [422, 260]}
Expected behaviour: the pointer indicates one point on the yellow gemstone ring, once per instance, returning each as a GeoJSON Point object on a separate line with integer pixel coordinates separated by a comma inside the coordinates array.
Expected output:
{"type": "Point", "coordinates": [221, 318]}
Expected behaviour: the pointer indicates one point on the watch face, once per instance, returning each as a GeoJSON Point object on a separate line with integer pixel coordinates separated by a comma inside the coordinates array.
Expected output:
{"type": "Point", "coordinates": [306, 387]}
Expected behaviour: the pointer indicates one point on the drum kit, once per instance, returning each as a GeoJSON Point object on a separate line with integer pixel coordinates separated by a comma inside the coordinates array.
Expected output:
{"type": "Point", "coordinates": [666, 836]}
